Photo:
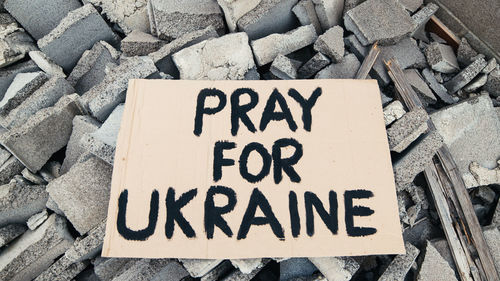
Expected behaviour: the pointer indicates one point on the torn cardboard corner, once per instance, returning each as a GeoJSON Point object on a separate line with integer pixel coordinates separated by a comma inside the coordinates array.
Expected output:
{"type": "Point", "coordinates": [247, 169]}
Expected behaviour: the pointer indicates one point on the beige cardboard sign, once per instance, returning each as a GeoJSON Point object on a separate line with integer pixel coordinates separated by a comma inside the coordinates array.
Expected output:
{"type": "Point", "coordinates": [246, 169]}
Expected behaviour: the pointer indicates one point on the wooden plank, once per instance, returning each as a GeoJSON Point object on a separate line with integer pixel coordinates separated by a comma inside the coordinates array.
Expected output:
{"type": "Point", "coordinates": [436, 26]}
{"type": "Point", "coordinates": [368, 62]}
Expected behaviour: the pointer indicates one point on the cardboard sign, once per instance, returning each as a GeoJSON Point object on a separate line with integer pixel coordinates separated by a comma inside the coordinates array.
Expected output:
{"type": "Point", "coordinates": [245, 169]}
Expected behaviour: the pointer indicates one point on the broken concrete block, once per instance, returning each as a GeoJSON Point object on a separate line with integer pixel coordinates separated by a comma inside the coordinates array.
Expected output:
{"type": "Point", "coordinates": [61, 270]}
{"type": "Point", "coordinates": [407, 129]}
{"type": "Point", "coordinates": [268, 17]}
{"type": "Point", "coordinates": [10, 232]}
{"type": "Point", "coordinates": [492, 85]}
{"type": "Point", "coordinates": [411, 5]}
{"type": "Point", "coordinates": [237, 275]}
{"type": "Point", "coordinates": [420, 20]}
{"type": "Point", "coordinates": [36, 250]}
{"type": "Point", "coordinates": [346, 69]}
{"type": "Point", "coordinates": [235, 9]}
{"type": "Point", "coordinates": [441, 58]}
{"type": "Point", "coordinates": [420, 232]}
{"type": "Point", "coordinates": [81, 125]}
{"type": "Point", "coordinates": [471, 130]}
{"type": "Point", "coordinates": [33, 178]}
{"type": "Point", "coordinates": [331, 43]}
{"type": "Point", "coordinates": [9, 169]}
{"type": "Point", "coordinates": [218, 272]}
{"type": "Point", "coordinates": [102, 142]}
{"type": "Point", "coordinates": [45, 96]}
{"type": "Point", "coordinates": [87, 247]}
{"type": "Point", "coordinates": [198, 267]}
{"type": "Point", "coordinates": [495, 221]}
{"type": "Point", "coordinates": [19, 202]}
{"type": "Point", "coordinates": [284, 67]}
{"type": "Point", "coordinates": [465, 76]}
{"type": "Point", "coordinates": [138, 43]}
{"type": "Point", "coordinates": [492, 237]}
{"type": "Point", "coordinates": [306, 13]}
{"type": "Point", "coordinates": [336, 268]}
{"type": "Point", "coordinates": [163, 57]}
{"type": "Point", "coordinates": [21, 88]}
{"type": "Point", "coordinates": [485, 194]}
{"type": "Point", "coordinates": [484, 176]}
{"type": "Point", "coordinates": [417, 157]}
{"type": "Point", "coordinates": [107, 268]}
{"type": "Point", "coordinates": [476, 83]}
{"type": "Point", "coordinates": [225, 58]}
{"type": "Point", "coordinates": [246, 266]}
{"type": "Point", "coordinates": [437, 87]}
{"type": "Point", "coordinates": [401, 264]}
{"type": "Point", "coordinates": [83, 193]}
{"type": "Point", "coordinates": [103, 98]}
{"type": "Point", "coordinates": [91, 68]}
{"type": "Point", "coordinates": [45, 64]}
{"type": "Point", "coordinates": [8, 74]}
{"type": "Point", "coordinates": [393, 112]}
{"type": "Point", "coordinates": [128, 14]}
{"type": "Point", "coordinates": [312, 66]}
{"type": "Point", "coordinates": [434, 266]}
{"type": "Point", "coordinates": [465, 53]}
{"type": "Point", "coordinates": [492, 65]}
{"type": "Point", "coordinates": [296, 267]}
{"type": "Point", "coordinates": [44, 133]}
{"type": "Point", "coordinates": [385, 21]}
{"type": "Point", "coordinates": [37, 219]}
{"type": "Point", "coordinates": [14, 42]}
{"type": "Point", "coordinates": [268, 48]}
{"type": "Point", "coordinates": [77, 32]}
{"type": "Point", "coordinates": [329, 12]}
{"type": "Point", "coordinates": [173, 18]}
{"type": "Point", "coordinates": [4, 156]}
{"type": "Point", "coordinates": [420, 87]}
{"type": "Point", "coordinates": [40, 17]}
{"type": "Point", "coordinates": [354, 46]}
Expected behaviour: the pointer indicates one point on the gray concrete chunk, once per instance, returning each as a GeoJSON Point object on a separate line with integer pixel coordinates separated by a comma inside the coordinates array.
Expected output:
{"type": "Point", "coordinates": [268, 17]}
{"type": "Point", "coordinates": [385, 21]}
{"type": "Point", "coordinates": [306, 13]}
{"type": "Point", "coordinates": [407, 129]}
{"type": "Point", "coordinates": [128, 14]}
{"type": "Point", "coordinates": [46, 64]}
{"type": "Point", "coordinates": [435, 266]}
{"type": "Point", "coordinates": [8, 74]}
{"type": "Point", "coordinates": [346, 69]}
{"type": "Point", "coordinates": [465, 76]}
{"type": "Point", "coordinates": [401, 264]}
{"type": "Point", "coordinates": [10, 232]}
{"type": "Point", "coordinates": [61, 270]}
{"type": "Point", "coordinates": [77, 32]}
{"type": "Point", "coordinates": [441, 58]}
{"type": "Point", "coordinates": [199, 267]}
{"type": "Point", "coordinates": [246, 266]}
{"type": "Point", "coordinates": [138, 43]}
{"type": "Point", "coordinates": [9, 169]}
{"type": "Point", "coordinates": [411, 5]}
{"type": "Point", "coordinates": [268, 48]}
{"type": "Point", "coordinates": [421, 18]}
{"type": "Point", "coordinates": [235, 9]}
{"type": "Point", "coordinates": [393, 112]}
{"type": "Point", "coordinates": [21, 88]}
{"type": "Point", "coordinates": [336, 268]}
{"type": "Point", "coordinates": [284, 67]}
{"type": "Point", "coordinates": [39, 17]}
{"type": "Point", "coordinates": [14, 42]}
{"type": "Point", "coordinates": [44, 133]}
{"type": "Point", "coordinates": [465, 53]}
{"type": "Point", "coordinates": [170, 19]}
{"type": "Point", "coordinates": [37, 219]}
{"type": "Point", "coordinates": [312, 66]}
{"type": "Point", "coordinates": [420, 87]}
{"type": "Point", "coordinates": [329, 12]}
{"type": "Point", "coordinates": [331, 43]}
{"type": "Point", "coordinates": [493, 83]}
{"type": "Point", "coordinates": [83, 193]}
{"type": "Point", "coordinates": [35, 251]}
{"type": "Point", "coordinates": [437, 87]}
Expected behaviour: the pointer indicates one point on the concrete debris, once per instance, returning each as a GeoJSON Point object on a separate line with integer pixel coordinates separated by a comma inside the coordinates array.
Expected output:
{"type": "Point", "coordinates": [33, 178]}
{"type": "Point", "coordinates": [417, 157]}
{"type": "Point", "coordinates": [81, 125]}
{"type": "Point", "coordinates": [268, 48]}
{"type": "Point", "coordinates": [138, 43]}
{"type": "Point", "coordinates": [492, 65]}
{"type": "Point", "coordinates": [77, 32]}
{"type": "Point", "coordinates": [493, 83]}
{"type": "Point", "coordinates": [83, 193]}
{"type": "Point", "coordinates": [420, 87]}
{"type": "Point", "coordinates": [306, 13]}
{"type": "Point", "coordinates": [128, 14]}
{"type": "Point", "coordinates": [235, 9]}
{"type": "Point", "coordinates": [87, 247]}
{"type": "Point", "coordinates": [8, 74]}
{"type": "Point", "coordinates": [329, 12]}
{"type": "Point", "coordinates": [62, 270]}
{"type": "Point", "coordinates": [385, 21]}
{"type": "Point", "coordinates": [441, 58]}
{"type": "Point", "coordinates": [4, 156]}
{"type": "Point", "coordinates": [171, 19]}
{"type": "Point", "coordinates": [285, 68]}
{"type": "Point", "coordinates": [346, 69]}
{"type": "Point", "coordinates": [21, 88]}
{"type": "Point", "coordinates": [102, 142]}
{"type": "Point", "coordinates": [237, 275]}
{"type": "Point", "coordinates": [401, 264]}
{"type": "Point", "coordinates": [220, 270]}
{"type": "Point", "coordinates": [104, 97]}
{"type": "Point", "coordinates": [40, 17]}
{"type": "Point", "coordinates": [313, 65]}
{"type": "Point", "coordinates": [14, 42]}
{"type": "Point", "coordinates": [45, 64]}
{"type": "Point", "coordinates": [421, 231]}
{"type": "Point", "coordinates": [295, 268]}
{"type": "Point", "coordinates": [10, 168]}
{"type": "Point", "coordinates": [471, 130]}
{"type": "Point", "coordinates": [492, 237]}
{"type": "Point", "coordinates": [246, 266]}
{"type": "Point", "coordinates": [45, 96]}
{"type": "Point", "coordinates": [10, 232]}
{"type": "Point", "coordinates": [225, 58]}
{"type": "Point", "coordinates": [437, 87]}
{"type": "Point", "coordinates": [336, 268]}
{"type": "Point", "coordinates": [44, 133]}
{"type": "Point", "coordinates": [495, 221]}
{"type": "Point", "coordinates": [331, 43]}
{"type": "Point", "coordinates": [485, 194]}
{"type": "Point", "coordinates": [407, 129]}
{"type": "Point", "coordinates": [354, 46]}
{"type": "Point", "coordinates": [268, 17]}
{"type": "Point", "coordinates": [465, 53]}
{"type": "Point", "coordinates": [411, 5]}
{"type": "Point", "coordinates": [465, 76]}
{"type": "Point", "coordinates": [91, 68]}
{"type": "Point", "coordinates": [484, 176]}
{"type": "Point", "coordinates": [37, 219]}
{"type": "Point", "coordinates": [434, 266]}
{"type": "Point", "coordinates": [393, 111]}
{"type": "Point", "coordinates": [35, 251]}
{"type": "Point", "coordinates": [107, 268]}
{"type": "Point", "coordinates": [476, 83]}
{"type": "Point", "coordinates": [420, 20]}
{"type": "Point", "coordinates": [198, 267]}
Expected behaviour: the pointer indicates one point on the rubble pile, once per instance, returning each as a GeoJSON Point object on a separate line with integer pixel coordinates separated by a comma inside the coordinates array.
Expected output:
{"type": "Point", "coordinates": [64, 69]}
